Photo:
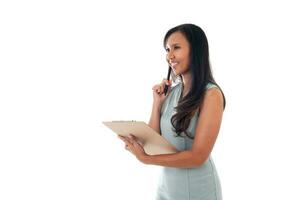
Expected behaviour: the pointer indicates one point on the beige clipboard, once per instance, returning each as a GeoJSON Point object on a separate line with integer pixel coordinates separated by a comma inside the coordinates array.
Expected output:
{"type": "Point", "coordinates": [152, 142]}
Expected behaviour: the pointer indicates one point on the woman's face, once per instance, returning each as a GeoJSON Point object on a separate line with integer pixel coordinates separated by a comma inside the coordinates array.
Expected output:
{"type": "Point", "coordinates": [177, 48]}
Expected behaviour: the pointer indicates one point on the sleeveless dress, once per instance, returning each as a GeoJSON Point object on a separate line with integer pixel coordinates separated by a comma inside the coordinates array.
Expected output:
{"type": "Point", "coordinates": [201, 183]}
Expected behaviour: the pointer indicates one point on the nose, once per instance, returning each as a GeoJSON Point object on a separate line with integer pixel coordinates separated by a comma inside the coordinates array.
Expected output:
{"type": "Point", "coordinates": [170, 56]}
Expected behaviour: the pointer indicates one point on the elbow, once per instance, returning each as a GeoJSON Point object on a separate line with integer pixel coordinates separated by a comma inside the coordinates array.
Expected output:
{"type": "Point", "coordinates": [197, 163]}
{"type": "Point", "coordinates": [198, 160]}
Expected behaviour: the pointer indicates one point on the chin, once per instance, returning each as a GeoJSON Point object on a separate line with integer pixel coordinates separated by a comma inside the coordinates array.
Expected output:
{"type": "Point", "coordinates": [177, 73]}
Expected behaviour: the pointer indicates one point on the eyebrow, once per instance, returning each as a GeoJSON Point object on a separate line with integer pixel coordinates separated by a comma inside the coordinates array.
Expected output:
{"type": "Point", "coordinates": [173, 44]}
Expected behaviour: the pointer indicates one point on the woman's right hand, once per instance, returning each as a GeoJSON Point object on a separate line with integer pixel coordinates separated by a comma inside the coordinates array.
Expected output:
{"type": "Point", "coordinates": [158, 92]}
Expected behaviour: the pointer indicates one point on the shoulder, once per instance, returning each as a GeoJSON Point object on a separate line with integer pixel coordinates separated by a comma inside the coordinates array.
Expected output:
{"type": "Point", "coordinates": [213, 97]}
{"type": "Point", "coordinates": [213, 90]}
{"type": "Point", "coordinates": [213, 94]}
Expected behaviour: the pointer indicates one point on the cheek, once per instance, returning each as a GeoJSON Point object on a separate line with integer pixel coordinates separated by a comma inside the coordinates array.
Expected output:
{"type": "Point", "coordinates": [187, 58]}
{"type": "Point", "coordinates": [186, 63]}
{"type": "Point", "coordinates": [183, 55]}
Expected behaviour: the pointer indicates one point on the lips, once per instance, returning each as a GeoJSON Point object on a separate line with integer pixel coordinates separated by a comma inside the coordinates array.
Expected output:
{"type": "Point", "coordinates": [173, 64]}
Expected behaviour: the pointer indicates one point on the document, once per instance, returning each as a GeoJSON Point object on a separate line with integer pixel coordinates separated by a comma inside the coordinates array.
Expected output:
{"type": "Point", "coordinates": [152, 142]}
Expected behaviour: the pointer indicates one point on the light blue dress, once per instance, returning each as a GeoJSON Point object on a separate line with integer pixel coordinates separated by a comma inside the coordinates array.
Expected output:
{"type": "Point", "coordinates": [201, 183]}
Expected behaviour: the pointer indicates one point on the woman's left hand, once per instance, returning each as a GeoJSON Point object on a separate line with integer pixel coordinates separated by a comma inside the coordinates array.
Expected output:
{"type": "Point", "coordinates": [132, 145]}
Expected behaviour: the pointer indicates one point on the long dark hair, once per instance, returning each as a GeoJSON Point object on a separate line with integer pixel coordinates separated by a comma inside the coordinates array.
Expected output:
{"type": "Point", "coordinates": [201, 75]}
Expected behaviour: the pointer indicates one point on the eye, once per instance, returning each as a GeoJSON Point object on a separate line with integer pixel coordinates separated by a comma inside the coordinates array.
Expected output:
{"type": "Point", "coordinates": [167, 50]}
{"type": "Point", "coordinates": [177, 47]}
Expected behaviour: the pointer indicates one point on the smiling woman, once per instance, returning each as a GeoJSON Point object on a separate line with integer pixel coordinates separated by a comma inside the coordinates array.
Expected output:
{"type": "Point", "coordinates": [177, 50]}
{"type": "Point", "coordinates": [189, 116]}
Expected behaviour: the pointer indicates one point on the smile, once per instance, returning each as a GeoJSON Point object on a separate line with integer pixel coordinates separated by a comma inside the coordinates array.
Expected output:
{"type": "Point", "coordinates": [173, 64]}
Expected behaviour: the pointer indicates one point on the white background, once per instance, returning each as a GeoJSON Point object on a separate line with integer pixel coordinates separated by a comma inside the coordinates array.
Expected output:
{"type": "Point", "coordinates": [65, 66]}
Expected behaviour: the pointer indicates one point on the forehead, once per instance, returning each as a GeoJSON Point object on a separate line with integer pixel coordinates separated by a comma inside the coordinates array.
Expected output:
{"type": "Point", "coordinates": [176, 38]}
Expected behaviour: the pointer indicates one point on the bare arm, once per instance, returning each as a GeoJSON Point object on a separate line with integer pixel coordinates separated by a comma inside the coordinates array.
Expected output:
{"type": "Point", "coordinates": [154, 121]}
{"type": "Point", "coordinates": [206, 134]}
{"type": "Point", "coordinates": [181, 159]}
{"type": "Point", "coordinates": [158, 99]}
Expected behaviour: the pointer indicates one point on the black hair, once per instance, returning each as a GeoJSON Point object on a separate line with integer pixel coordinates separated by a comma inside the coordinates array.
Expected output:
{"type": "Point", "coordinates": [201, 75]}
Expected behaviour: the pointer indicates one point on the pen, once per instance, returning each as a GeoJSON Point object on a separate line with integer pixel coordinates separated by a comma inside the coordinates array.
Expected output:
{"type": "Point", "coordinates": [168, 77]}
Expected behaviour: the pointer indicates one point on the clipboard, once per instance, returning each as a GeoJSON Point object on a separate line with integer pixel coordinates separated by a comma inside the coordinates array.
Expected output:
{"type": "Point", "coordinates": [152, 142]}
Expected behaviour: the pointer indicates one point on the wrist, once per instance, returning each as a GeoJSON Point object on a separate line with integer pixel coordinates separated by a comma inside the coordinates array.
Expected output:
{"type": "Point", "coordinates": [145, 159]}
{"type": "Point", "coordinates": [157, 106]}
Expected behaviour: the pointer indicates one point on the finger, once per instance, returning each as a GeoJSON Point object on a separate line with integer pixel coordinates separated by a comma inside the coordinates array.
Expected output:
{"type": "Point", "coordinates": [131, 136]}
{"type": "Point", "coordinates": [135, 139]}
{"type": "Point", "coordinates": [128, 145]}
{"type": "Point", "coordinates": [159, 87]}
{"type": "Point", "coordinates": [162, 86]}
{"type": "Point", "coordinates": [131, 140]}
{"type": "Point", "coordinates": [123, 138]}
{"type": "Point", "coordinates": [129, 148]}
{"type": "Point", "coordinates": [140, 143]}
{"type": "Point", "coordinates": [166, 81]}
{"type": "Point", "coordinates": [156, 87]}
{"type": "Point", "coordinates": [128, 140]}
{"type": "Point", "coordinates": [158, 90]}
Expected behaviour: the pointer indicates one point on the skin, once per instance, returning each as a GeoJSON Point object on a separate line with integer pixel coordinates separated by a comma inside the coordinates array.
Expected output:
{"type": "Point", "coordinates": [207, 127]}
{"type": "Point", "coordinates": [178, 49]}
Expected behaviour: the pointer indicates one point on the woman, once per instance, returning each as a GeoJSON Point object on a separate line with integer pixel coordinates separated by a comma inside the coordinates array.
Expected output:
{"type": "Point", "coordinates": [189, 116]}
